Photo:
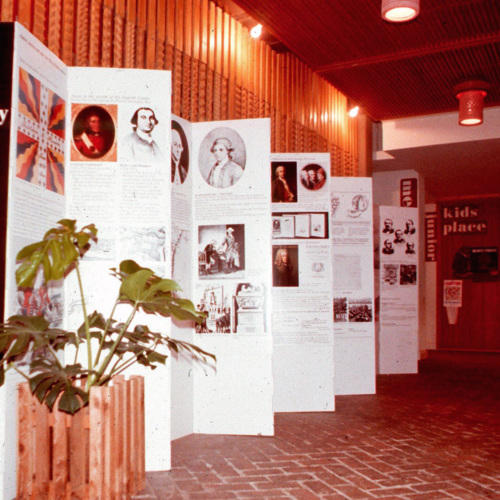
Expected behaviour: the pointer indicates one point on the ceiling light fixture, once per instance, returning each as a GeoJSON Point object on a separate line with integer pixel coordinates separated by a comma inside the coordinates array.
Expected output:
{"type": "Point", "coordinates": [353, 112]}
{"type": "Point", "coordinates": [399, 11]}
{"type": "Point", "coordinates": [256, 31]}
{"type": "Point", "coordinates": [471, 96]}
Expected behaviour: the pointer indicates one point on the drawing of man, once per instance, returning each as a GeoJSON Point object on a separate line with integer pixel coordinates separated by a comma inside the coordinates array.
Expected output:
{"type": "Point", "coordinates": [140, 145]}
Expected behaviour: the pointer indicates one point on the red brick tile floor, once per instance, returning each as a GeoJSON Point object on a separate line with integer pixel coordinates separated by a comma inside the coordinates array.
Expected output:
{"type": "Point", "coordinates": [429, 436]}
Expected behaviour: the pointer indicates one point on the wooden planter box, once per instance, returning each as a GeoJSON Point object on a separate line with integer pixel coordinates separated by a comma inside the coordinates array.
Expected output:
{"type": "Point", "coordinates": [98, 453]}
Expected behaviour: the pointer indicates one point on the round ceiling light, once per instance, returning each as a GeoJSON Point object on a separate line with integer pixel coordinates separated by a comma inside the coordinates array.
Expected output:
{"type": "Point", "coordinates": [399, 11]}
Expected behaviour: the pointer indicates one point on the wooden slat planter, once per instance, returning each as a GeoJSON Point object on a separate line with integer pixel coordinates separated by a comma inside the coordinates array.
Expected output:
{"type": "Point", "coordinates": [98, 453]}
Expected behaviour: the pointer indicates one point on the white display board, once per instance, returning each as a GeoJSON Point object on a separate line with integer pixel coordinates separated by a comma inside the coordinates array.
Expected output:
{"type": "Point", "coordinates": [36, 198]}
{"type": "Point", "coordinates": [232, 265]}
{"type": "Point", "coordinates": [302, 300]}
{"type": "Point", "coordinates": [398, 337]}
{"type": "Point", "coordinates": [118, 179]}
{"type": "Point", "coordinates": [181, 178]}
{"type": "Point", "coordinates": [353, 285]}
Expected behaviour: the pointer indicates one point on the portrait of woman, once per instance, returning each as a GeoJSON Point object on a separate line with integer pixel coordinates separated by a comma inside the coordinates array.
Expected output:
{"type": "Point", "coordinates": [222, 158]}
{"type": "Point", "coordinates": [284, 271]}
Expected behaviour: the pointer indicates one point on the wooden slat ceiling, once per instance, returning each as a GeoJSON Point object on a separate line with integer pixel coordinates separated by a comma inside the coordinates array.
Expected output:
{"type": "Point", "coordinates": [390, 70]}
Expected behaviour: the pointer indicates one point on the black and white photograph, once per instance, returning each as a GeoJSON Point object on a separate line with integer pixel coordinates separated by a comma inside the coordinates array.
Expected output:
{"type": "Point", "coordinates": [215, 301]}
{"type": "Point", "coordinates": [408, 274]}
{"type": "Point", "coordinates": [340, 309]}
{"type": "Point", "coordinates": [284, 182]}
{"type": "Point", "coordinates": [313, 177]}
{"type": "Point", "coordinates": [360, 310]}
{"type": "Point", "coordinates": [222, 157]}
{"type": "Point", "coordinates": [390, 274]}
{"type": "Point", "coordinates": [179, 153]}
{"type": "Point", "coordinates": [388, 248]}
{"type": "Point", "coordinates": [221, 251]}
{"type": "Point", "coordinates": [300, 225]}
{"type": "Point", "coordinates": [145, 244]}
{"type": "Point", "coordinates": [139, 144]}
{"type": "Point", "coordinates": [249, 306]}
{"type": "Point", "coordinates": [285, 265]}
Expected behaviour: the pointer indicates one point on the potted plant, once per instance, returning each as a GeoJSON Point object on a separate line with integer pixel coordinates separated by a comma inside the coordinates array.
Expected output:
{"type": "Point", "coordinates": [110, 346]}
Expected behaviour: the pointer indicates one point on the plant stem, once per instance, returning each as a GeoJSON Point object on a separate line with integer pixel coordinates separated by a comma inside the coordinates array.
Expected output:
{"type": "Point", "coordinates": [112, 351]}
{"type": "Point", "coordinates": [12, 365]}
{"type": "Point", "coordinates": [117, 369]}
{"type": "Point", "coordinates": [54, 355]}
{"type": "Point", "coordinates": [87, 326]}
{"type": "Point", "coordinates": [104, 333]}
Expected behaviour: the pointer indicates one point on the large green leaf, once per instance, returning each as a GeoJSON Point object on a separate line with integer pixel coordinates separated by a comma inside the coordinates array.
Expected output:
{"type": "Point", "coordinates": [57, 252]}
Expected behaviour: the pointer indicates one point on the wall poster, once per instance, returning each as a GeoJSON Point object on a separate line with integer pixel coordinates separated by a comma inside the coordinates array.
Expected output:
{"type": "Point", "coordinates": [398, 289]}
{"type": "Point", "coordinates": [352, 285]}
{"type": "Point", "coordinates": [301, 273]}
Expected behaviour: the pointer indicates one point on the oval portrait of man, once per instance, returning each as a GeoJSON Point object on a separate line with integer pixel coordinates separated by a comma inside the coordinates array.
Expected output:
{"type": "Point", "coordinates": [180, 153]}
{"type": "Point", "coordinates": [222, 157]}
{"type": "Point", "coordinates": [93, 132]}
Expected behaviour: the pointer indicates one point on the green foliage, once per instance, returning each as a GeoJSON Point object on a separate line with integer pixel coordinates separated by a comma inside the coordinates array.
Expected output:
{"type": "Point", "coordinates": [119, 346]}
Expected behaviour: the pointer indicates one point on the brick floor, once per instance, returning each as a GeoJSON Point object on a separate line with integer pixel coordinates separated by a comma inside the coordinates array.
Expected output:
{"type": "Point", "coordinates": [430, 436]}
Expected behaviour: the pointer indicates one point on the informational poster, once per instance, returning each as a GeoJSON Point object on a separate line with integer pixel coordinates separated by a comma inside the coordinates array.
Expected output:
{"type": "Point", "coordinates": [398, 289]}
{"type": "Point", "coordinates": [231, 260]}
{"type": "Point", "coordinates": [33, 181]}
{"type": "Point", "coordinates": [118, 144]}
{"type": "Point", "coordinates": [302, 301]}
{"type": "Point", "coordinates": [452, 293]}
{"type": "Point", "coordinates": [352, 285]}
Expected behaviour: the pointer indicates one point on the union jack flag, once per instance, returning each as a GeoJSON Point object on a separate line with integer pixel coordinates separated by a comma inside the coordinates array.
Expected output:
{"type": "Point", "coordinates": [41, 134]}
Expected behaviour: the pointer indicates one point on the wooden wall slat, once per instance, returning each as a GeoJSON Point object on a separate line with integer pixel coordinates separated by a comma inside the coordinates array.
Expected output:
{"type": "Point", "coordinates": [54, 30]}
{"type": "Point", "coordinates": [219, 72]}
{"type": "Point", "coordinates": [96, 29]}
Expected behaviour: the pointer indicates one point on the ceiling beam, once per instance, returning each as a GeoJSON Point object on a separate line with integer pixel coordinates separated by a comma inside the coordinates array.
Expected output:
{"type": "Point", "coordinates": [408, 54]}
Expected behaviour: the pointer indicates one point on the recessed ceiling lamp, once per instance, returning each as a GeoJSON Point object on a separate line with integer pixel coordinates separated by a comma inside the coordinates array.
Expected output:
{"type": "Point", "coordinates": [399, 11]}
{"type": "Point", "coordinates": [256, 31]}
{"type": "Point", "coordinates": [471, 96]}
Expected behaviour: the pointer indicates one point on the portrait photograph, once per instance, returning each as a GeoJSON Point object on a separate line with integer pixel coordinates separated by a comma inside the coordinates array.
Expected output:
{"type": "Point", "coordinates": [222, 157]}
{"type": "Point", "coordinates": [179, 153]}
{"type": "Point", "coordinates": [284, 182]}
{"type": "Point", "coordinates": [285, 265]}
{"type": "Point", "coordinates": [221, 251]}
{"type": "Point", "coordinates": [313, 177]}
{"type": "Point", "coordinates": [140, 128]}
{"type": "Point", "coordinates": [94, 133]}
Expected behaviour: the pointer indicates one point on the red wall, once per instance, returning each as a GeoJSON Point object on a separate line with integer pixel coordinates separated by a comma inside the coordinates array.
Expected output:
{"type": "Point", "coordinates": [478, 325]}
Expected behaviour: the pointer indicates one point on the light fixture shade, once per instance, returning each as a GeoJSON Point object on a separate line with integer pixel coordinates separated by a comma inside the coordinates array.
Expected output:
{"type": "Point", "coordinates": [471, 101]}
{"type": "Point", "coordinates": [398, 11]}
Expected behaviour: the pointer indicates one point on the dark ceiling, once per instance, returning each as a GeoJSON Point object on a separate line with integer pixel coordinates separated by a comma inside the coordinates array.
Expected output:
{"type": "Point", "coordinates": [390, 70]}
{"type": "Point", "coordinates": [399, 70]}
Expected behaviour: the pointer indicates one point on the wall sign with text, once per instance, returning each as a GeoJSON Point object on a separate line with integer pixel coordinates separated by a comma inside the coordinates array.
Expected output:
{"type": "Point", "coordinates": [462, 219]}
{"type": "Point", "coordinates": [409, 192]}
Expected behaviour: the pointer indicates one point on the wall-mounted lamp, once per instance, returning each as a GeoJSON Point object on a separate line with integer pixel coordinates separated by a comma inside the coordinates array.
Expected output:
{"type": "Point", "coordinates": [353, 112]}
{"type": "Point", "coordinates": [256, 31]}
{"type": "Point", "coordinates": [399, 11]}
{"type": "Point", "coordinates": [471, 96]}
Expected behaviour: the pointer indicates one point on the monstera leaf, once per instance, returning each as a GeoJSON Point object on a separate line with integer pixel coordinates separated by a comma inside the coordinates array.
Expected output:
{"type": "Point", "coordinates": [32, 340]}
{"type": "Point", "coordinates": [154, 295]}
{"type": "Point", "coordinates": [57, 252]}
